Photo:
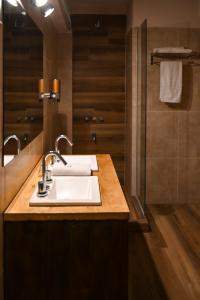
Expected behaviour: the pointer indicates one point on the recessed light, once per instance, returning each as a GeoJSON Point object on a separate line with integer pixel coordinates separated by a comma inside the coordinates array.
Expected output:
{"type": "Point", "coordinates": [40, 3]}
{"type": "Point", "coordinates": [13, 2]}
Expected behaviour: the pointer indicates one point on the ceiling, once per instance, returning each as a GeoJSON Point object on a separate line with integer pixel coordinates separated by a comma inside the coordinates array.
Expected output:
{"type": "Point", "coordinates": [97, 6]}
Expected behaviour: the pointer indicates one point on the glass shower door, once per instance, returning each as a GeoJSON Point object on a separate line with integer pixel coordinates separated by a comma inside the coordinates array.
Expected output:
{"type": "Point", "coordinates": [141, 117]}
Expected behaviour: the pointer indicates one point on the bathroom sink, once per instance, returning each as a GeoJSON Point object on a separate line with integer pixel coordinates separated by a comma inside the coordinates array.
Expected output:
{"type": "Point", "coordinates": [69, 190]}
{"type": "Point", "coordinates": [7, 159]}
{"type": "Point", "coordinates": [90, 160]}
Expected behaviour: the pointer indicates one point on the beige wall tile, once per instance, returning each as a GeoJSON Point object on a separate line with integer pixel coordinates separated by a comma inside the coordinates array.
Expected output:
{"type": "Point", "coordinates": [189, 132]}
{"type": "Point", "coordinates": [195, 88]}
{"type": "Point", "coordinates": [161, 180]}
{"type": "Point", "coordinates": [189, 180]}
{"type": "Point", "coordinates": [162, 37]}
{"type": "Point", "coordinates": [194, 41]}
{"type": "Point", "coordinates": [162, 134]}
{"type": "Point", "coordinates": [173, 129]}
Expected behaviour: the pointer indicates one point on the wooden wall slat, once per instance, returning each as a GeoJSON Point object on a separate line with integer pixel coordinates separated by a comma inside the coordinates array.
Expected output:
{"type": "Point", "coordinates": [99, 85]}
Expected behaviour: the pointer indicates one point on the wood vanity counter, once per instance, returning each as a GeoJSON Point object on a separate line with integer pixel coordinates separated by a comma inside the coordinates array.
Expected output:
{"type": "Point", "coordinates": [71, 252]}
{"type": "Point", "coordinates": [113, 206]}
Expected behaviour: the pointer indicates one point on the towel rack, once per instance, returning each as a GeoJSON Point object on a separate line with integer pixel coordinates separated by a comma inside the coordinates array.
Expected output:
{"type": "Point", "coordinates": [185, 57]}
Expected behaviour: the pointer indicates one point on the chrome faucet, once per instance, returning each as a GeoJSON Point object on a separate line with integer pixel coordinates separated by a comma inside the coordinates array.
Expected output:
{"type": "Point", "coordinates": [46, 174]}
{"type": "Point", "coordinates": [50, 153]}
{"type": "Point", "coordinates": [16, 139]}
{"type": "Point", "coordinates": [62, 136]}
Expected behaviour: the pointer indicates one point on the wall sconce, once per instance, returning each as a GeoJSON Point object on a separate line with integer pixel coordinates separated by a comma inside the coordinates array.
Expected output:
{"type": "Point", "coordinates": [53, 95]}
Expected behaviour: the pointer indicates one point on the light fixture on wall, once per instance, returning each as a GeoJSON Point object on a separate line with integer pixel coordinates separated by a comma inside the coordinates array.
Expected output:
{"type": "Point", "coordinates": [53, 95]}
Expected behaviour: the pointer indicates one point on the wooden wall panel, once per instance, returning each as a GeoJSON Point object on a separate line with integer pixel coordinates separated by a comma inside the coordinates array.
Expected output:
{"type": "Point", "coordinates": [128, 135]}
{"type": "Point", "coordinates": [64, 65]}
{"type": "Point", "coordinates": [99, 85]}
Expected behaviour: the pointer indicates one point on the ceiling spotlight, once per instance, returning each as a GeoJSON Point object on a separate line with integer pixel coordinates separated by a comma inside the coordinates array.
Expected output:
{"type": "Point", "coordinates": [40, 3]}
{"type": "Point", "coordinates": [48, 11]}
{"type": "Point", "coordinates": [13, 2]}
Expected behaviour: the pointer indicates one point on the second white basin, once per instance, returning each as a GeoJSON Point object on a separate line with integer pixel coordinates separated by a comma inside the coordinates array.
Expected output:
{"type": "Point", "coordinates": [69, 190]}
{"type": "Point", "coordinates": [90, 160]}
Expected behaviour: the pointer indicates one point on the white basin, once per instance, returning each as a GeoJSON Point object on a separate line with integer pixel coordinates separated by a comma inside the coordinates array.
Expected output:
{"type": "Point", "coordinates": [82, 160]}
{"type": "Point", "coordinates": [69, 190]}
{"type": "Point", "coordinates": [7, 159]}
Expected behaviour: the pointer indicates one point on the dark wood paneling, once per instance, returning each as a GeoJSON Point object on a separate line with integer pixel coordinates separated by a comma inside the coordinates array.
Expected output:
{"type": "Point", "coordinates": [23, 67]}
{"type": "Point", "coordinates": [128, 131]}
{"type": "Point", "coordinates": [66, 260]}
{"type": "Point", "coordinates": [99, 85]}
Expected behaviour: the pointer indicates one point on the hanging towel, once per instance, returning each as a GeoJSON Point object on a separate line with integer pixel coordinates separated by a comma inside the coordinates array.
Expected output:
{"type": "Point", "coordinates": [172, 50]}
{"type": "Point", "coordinates": [170, 81]}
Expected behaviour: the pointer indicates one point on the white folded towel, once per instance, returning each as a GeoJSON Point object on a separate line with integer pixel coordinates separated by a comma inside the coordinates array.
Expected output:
{"type": "Point", "coordinates": [58, 169]}
{"type": "Point", "coordinates": [170, 81]}
{"type": "Point", "coordinates": [172, 50]}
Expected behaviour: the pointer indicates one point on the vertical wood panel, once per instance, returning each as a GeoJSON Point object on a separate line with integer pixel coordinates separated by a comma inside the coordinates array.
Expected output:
{"type": "Point", "coordinates": [99, 85]}
{"type": "Point", "coordinates": [128, 131]}
{"type": "Point", "coordinates": [64, 65]}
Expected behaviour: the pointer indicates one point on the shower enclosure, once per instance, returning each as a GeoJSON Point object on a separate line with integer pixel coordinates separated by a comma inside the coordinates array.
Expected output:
{"type": "Point", "coordinates": [141, 119]}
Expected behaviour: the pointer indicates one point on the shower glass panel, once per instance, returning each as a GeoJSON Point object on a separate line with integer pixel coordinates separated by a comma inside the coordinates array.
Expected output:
{"type": "Point", "coordinates": [141, 116]}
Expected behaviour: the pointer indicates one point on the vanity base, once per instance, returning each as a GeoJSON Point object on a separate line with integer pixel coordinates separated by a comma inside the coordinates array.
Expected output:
{"type": "Point", "coordinates": [72, 260]}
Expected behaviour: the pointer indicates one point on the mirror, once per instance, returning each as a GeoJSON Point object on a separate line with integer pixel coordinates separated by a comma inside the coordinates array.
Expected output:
{"type": "Point", "coordinates": [22, 69]}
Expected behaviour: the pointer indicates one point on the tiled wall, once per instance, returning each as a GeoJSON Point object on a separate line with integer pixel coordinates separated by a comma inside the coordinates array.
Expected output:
{"type": "Point", "coordinates": [173, 130]}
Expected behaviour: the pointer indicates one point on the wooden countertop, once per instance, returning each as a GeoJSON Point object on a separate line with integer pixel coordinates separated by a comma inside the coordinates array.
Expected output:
{"type": "Point", "coordinates": [113, 206]}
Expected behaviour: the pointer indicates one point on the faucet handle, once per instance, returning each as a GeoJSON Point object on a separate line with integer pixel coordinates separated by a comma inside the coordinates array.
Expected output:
{"type": "Point", "coordinates": [48, 176]}
{"type": "Point", "coordinates": [42, 189]}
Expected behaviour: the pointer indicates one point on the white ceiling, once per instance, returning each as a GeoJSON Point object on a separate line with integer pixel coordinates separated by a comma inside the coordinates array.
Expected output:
{"type": "Point", "coordinates": [97, 6]}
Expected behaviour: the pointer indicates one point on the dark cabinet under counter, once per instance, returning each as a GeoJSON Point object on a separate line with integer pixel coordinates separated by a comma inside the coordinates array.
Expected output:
{"type": "Point", "coordinates": [72, 253]}
{"type": "Point", "coordinates": [72, 260]}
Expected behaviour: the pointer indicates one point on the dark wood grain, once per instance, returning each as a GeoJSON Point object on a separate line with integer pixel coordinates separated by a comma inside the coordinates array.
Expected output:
{"type": "Point", "coordinates": [71, 260]}
{"type": "Point", "coordinates": [99, 86]}
{"type": "Point", "coordinates": [23, 67]}
{"type": "Point", "coordinates": [165, 263]}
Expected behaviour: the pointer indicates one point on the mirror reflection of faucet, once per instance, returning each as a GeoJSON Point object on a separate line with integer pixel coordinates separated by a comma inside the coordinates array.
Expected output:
{"type": "Point", "coordinates": [60, 137]}
{"type": "Point", "coordinates": [14, 137]}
